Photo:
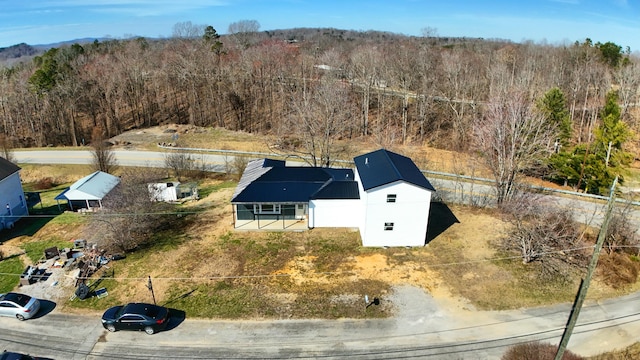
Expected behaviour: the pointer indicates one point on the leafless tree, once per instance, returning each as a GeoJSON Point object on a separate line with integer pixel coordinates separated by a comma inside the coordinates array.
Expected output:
{"type": "Point", "coordinates": [244, 31]}
{"type": "Point", "coordinates": [320, 115]}
{"type": "Point", "coordinates": [234, 165]}
{"type": "Point", "coordinates": [188, 30]}
{"type": "Point", "coordinates": [6, 148]}
{"type": "Point", "coordinates": [543, 232]}
{"type": "Point", "coordinates": [180, 162]}
{"type": "Point", "coordinates": [104, 159]}
{"type": "Point", "coordinates": [512, 137]}
{"type": "Point", "coordinates": [365, 63]}
{"type": "Point", "coordinates": [622, 233]}
{"type": "Point", "coordinates": [628, 79]}
{"type": "Point", "coordinates": [129, 218]}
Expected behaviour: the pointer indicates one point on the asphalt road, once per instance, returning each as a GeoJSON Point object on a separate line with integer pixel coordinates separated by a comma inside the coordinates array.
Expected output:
{"type": "Point", "coordinates": [422, 329]}
{"type": "Point", "coordinates": [213, 163]}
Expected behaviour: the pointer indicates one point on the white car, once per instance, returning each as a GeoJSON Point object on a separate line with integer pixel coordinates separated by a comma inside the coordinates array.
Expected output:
{"type": "Point", "coordinates": [19, 305]}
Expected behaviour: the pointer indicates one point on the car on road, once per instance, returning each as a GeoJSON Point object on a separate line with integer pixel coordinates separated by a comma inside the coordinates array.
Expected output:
{"type": "Point", "coordinates": [9, 355]}
{"type": "Point", "coordinates": [136, 316]}
{"type": "Point", "coordinates": [18, 305]}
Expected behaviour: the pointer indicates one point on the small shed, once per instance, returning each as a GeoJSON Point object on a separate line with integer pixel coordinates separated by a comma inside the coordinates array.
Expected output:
{"type": "Point", "coordinates": [172, 191]}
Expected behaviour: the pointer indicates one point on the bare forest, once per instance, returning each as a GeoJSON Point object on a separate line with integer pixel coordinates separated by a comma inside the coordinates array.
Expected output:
{"type": "Point", "coordinates": [311, 87]}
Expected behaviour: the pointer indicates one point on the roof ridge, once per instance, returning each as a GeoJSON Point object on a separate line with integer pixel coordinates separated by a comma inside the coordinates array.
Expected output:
{"type": "Point", "coordinates": [387, 153]}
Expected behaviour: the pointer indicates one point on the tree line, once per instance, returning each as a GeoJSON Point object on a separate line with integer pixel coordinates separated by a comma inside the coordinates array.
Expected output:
{"type": "Point", "coordinates": [572, 110]}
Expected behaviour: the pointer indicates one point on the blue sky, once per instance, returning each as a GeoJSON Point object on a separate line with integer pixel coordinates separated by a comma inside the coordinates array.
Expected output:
{"type": "Point", "coordinates": [554, 21]}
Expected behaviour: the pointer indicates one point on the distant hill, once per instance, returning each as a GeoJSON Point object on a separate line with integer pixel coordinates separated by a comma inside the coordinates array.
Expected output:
{"type": "Point", "coordinates": [81, 41]}
{"type": "Point", "coordinates": [22, 51]}
{"type": "Point", "coordinates": [18, 51]}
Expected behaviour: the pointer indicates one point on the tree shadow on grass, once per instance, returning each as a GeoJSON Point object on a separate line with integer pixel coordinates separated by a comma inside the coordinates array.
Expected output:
{"type": "Point", "coordinates": [440, 219]}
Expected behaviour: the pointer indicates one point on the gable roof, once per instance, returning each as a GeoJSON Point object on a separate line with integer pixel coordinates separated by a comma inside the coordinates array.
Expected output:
{"type": "Point", "coordinates": [270, 181]}
{"type": "Point", "coordinates": [7, 168]}
{"type": "Point", "coordinates": [91, 187]}
{"type": "Point", "coordinates": [383, 167]}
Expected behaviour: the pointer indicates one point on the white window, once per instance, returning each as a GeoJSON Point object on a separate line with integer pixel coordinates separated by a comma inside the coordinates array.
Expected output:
{"type": "Point", "coordinates": [388, 226]}
{"type": "Point", "coordinates": [391, 198]}
{"type": "Point", "coordinates": [266, 208]}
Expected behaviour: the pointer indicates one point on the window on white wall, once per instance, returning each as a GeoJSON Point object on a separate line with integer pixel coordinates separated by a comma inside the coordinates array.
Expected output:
{"type": "Point", "coordinates": [388, 226]}
{"type": "Point", "coordinates": [391, 198]}
{"type": "Point", "coordinates": [266, 208]}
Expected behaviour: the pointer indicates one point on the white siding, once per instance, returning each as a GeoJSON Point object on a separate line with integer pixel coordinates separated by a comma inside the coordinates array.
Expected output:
{"type": "Point", "coordinates": [335, 213]}
{"type": "Point", "coordinates": [12, 196]}
{"type": "Point", "coordinates": [409, 215]}
{"type": "Point", "coordinates": [162, 192]}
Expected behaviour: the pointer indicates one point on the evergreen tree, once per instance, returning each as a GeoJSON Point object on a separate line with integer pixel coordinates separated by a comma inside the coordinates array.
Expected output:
{"type": "Point", "coordinates": [554, 109]}
{"type": "Point", "coordinates": [593, 167]}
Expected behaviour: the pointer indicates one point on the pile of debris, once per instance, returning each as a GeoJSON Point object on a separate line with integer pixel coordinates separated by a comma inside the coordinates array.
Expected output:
{"type": "Point", "coordinates": [75, 264]}
{"type": "Point", "coordinates": [88, 259]}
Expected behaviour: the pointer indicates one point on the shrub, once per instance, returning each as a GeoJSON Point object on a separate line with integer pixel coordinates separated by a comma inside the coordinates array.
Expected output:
{"type": "Point", "coordinates": [618, 269]}
{"type": "Point", "coordinates": [537, 351]}
{"type": "Point", "coordinates": [45, 183]}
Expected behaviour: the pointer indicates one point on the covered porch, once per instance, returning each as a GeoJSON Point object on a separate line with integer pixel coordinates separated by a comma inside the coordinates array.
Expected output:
{"type": "Point", "coordinates": [291, 217]}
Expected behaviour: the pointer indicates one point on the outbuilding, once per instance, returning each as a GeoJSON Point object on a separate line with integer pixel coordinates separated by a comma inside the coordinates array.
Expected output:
{"type": "Point", "coordinates": [88, 192]}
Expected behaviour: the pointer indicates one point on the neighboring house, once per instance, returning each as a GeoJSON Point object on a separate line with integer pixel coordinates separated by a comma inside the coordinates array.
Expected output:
{"type": "Point", "coordinates": [172, 191]}
{"type": "Point", "coordinates": [88, 192]}
{"type": "Point", "coordinates": [13, 203]}
{"type": "Point", "coordinates": [386, 197]}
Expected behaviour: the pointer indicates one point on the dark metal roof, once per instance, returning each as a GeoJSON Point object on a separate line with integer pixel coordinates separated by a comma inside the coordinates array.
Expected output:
{"type": "Point", "coordinates": [261, 183]}
{"type": "Point", "coordinates": [338, 190]}
{"type": "Point", "coordinates": [383, 167]}
{"type": "Point", "coordinates": [7, 168]}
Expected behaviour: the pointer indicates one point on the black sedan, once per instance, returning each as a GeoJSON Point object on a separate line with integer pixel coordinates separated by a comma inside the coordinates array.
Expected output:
{"type": "Point", "coordinates": [9, 355]}
{"type": "Point", "coordinates": [136, 316]}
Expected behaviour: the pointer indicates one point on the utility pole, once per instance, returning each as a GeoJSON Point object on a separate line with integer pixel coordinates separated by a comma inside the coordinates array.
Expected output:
{"type": "Point", "coordinates": [584, 284]}
{"type": "Point", "coordinates": [150, 287]}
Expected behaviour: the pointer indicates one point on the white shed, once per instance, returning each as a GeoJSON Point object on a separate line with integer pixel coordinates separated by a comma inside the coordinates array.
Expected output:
{"type": "Point", "coordinates": [172, 191]}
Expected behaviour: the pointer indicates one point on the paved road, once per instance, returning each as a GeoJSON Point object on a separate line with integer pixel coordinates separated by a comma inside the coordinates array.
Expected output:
{"type": "Point", "coordinates": [213, 163]}
{"type": "Point", "coordinates": [424, 329]}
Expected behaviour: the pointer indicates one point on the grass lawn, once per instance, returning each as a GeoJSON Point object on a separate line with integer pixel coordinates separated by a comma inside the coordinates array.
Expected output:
{"type": "Point", "coordinates": [9, 266]}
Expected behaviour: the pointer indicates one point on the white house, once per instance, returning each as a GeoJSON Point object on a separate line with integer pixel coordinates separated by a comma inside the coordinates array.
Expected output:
{"type": "Point", "coordinates": [88, 192]}
{"type": "Point", "coordinates": [386, 197]}
{"type": "Point", "coordinates": [12, 200]}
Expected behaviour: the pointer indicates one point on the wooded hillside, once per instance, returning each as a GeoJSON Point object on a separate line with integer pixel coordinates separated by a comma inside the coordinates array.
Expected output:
{"type": "Point", "coordinates": [308, 86]}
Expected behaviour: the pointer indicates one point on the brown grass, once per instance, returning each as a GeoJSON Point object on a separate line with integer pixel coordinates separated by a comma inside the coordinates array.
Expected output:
{"type": "Point", "coordinates": [630, 353]}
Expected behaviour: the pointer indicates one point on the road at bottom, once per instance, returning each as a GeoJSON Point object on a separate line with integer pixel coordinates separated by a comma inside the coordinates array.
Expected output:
{"type": "Point", "coordinates": [426, 331]}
